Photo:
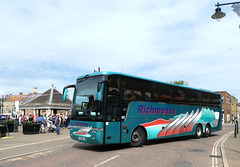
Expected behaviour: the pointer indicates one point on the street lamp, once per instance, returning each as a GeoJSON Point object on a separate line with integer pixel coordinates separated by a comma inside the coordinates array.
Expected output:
{"type": "Point", "coordinates": [218, 15]}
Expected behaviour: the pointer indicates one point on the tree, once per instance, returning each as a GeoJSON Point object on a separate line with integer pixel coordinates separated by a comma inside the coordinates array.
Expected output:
{"type": "Point", "coordinates": [180, 82]}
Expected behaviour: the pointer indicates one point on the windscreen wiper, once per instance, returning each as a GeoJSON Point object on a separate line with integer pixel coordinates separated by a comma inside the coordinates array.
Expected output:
{"type": "Point", "coordinates": [91, 116]}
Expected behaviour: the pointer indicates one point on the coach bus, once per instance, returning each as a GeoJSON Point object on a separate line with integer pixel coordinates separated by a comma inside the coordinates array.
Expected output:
{"type": "Point", "coordinates": [111, 107]}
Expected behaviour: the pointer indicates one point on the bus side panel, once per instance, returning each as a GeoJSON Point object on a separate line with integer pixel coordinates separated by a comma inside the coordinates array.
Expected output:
{"type": "Point", "coordinates": [219, 123]}
{"type": "Point", "coordinates": [128, 126]}
{"type": "Point", "coordinates": [87, 132]}
{"type": "Point", "coordinates": [167, 120]}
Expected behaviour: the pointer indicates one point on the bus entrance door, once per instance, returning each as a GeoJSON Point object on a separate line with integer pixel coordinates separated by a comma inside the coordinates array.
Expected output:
{"type": "Point", "coordinates": [112, 132]}
{"type": "Point", "coordinates": [112, 124]}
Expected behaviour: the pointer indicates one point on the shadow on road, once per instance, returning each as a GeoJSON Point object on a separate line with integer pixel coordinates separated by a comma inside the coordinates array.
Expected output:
{"type": "Point", "coordinates": [101, 148]}
{"type": "Point", "coordinates": [169, 140]}
{"type": "Point", "coordinates": [113, 147]}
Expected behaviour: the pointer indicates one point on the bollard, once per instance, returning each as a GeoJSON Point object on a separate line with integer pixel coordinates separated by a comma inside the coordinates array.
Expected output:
{"type": "Point", "coordinates": [235, 131]}
{"type": "Point", "coordinates": [237, 127]}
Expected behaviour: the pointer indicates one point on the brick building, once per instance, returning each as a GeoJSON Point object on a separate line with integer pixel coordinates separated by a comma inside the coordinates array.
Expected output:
{"type": "Point", "coordinates": [229, 106]}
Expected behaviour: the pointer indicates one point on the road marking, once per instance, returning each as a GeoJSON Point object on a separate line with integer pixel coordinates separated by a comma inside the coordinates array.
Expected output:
{"type": "Point", "coordinates": [39, 154]}
{"type": "Point", "coordinates": [225, 161]}
{"type": "Point", "coordinates": [32, 143]}
{"type": "Point", "coordinates": [107, 161]}
{"type": "Point", "coordinates": [215, 150]}
{"type": "Point", "coordinates": [16, 159]}
{"type": "Point", "coordinates": [20, 155]}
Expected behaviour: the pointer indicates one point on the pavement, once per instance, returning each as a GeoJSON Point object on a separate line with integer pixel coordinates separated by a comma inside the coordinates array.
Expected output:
{"type": "Point", "coordinates": [230, 149]}
{"type": "Point", "coordinates": [18, 139]}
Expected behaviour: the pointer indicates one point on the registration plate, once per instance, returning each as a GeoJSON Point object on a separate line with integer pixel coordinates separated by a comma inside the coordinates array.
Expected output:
{"type": "Point", "coordinates": [81, 138]}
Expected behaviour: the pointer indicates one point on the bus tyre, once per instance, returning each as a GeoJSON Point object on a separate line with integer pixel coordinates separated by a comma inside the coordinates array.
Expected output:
{"type": "Point", "coordinates": [138, 137]}
{"type": "Point", "coordinates": [199, 131]}
{"type": "Point", "coordinates": [207, 131]}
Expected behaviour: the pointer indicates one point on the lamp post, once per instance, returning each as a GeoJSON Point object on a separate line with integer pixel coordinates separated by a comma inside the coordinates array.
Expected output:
{"type": "Point", "coordinates": [1, 111]}
{"type": "Point", "coordinates": [218, 15]}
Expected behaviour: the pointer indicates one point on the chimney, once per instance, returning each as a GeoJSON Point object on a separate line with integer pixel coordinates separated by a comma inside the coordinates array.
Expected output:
{"type": "Point", "coordinates": [34, 90]}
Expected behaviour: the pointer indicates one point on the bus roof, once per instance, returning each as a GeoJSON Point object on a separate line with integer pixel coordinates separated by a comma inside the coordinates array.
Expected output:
{"type": "Point", "coordinates": [132, 76]}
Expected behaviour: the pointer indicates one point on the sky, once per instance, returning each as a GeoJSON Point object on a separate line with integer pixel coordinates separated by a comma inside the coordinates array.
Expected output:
{"type": "Point", "coordinates": [53, 42]}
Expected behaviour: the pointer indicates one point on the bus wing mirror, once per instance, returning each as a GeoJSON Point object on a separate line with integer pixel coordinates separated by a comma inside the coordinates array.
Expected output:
{"type": "Point", "coordinates": [100, 88]}
{"type": "Point", "coordinates": [64, 97]}
{"type": "Point", "coordinates": [65, 91]}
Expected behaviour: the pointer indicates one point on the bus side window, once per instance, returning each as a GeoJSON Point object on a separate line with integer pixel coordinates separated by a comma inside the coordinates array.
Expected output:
{"type": "Point", "coordinates": [162, 93]}
{"type": "Point", "coordinates": [132, 95]}
{"type": "Point", "coordinates": [114, 84]}
{"type": "Point", "coordinates": [178, 95]}
{"type": "Point", "coordinates": [147, 96]}
{"type": "Point", "coordinates": [155, 97]}
{"type": "Point", "coordinates": [206, 100]}
{"type": "Point", "coordinates": [193, 97]}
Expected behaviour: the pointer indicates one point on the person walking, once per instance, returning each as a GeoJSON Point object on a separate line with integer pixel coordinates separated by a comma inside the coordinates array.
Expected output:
{"type": "Point", "coordinates": [45, 120]}
{"type": "Point", "coordinates": [20, 120]}
{"type": "Point", "coordinates": [67, 121]}
{"type": "Point", "coordinates": [41, 122]}
{"type": "Point", "coordinates": [57, 124]}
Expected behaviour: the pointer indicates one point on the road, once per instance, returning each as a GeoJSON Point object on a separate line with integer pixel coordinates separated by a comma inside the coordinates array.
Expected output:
{"type": "Point", "coordinates": [53, 150]}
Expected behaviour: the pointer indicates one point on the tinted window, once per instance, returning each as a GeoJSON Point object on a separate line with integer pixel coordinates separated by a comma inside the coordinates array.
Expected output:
{"type": "Point", "coordinates": [210, 100]}
{"type": "Point", "coordinates": [178, 95]}
{"type": "Point", "coordinates": [114, 83]}
{"type": "Point", "coordinates": [162, 92]}
{"type": "Point", "coordinates": [136, 89]}
{"type": "Point", "coordinates": [193, 97]}
{"type": "Point", "coordinates": [216, 100]}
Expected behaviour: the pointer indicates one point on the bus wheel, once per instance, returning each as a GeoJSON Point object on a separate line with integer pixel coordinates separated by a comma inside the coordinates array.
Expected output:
{"type": "Point", "coordinates": [199, 131]}
{"type": "Point", "coordinates": [207, 131]}
{"type": "Point", "coordinates": [138, 137]}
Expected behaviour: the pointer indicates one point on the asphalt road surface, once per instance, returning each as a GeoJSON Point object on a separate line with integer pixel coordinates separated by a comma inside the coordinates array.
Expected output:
{"type": "Point", "coordinates": [62, 151]}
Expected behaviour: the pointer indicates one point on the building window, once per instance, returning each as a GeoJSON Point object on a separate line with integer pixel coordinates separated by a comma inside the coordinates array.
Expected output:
{"type": "Point", "coordinates": [228, 101]}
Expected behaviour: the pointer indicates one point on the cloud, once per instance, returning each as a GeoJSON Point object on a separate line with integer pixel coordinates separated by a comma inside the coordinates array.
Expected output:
{"type": "Point", "coordinates": [45, 42]}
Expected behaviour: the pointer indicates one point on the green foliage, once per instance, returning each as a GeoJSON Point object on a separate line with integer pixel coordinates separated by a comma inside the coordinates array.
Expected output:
{"type": "Point", "coordinates": [180, 82]}
{"type": "Point", "coordinates": [29, 123]}
{"type": "Point", "coordinates": [10, 121]}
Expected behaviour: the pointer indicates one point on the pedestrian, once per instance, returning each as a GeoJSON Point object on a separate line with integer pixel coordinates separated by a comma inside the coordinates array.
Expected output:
{"type": "Point", "coordinates": [19, 120]}
{"type": "Point", "coordinates": [62, 121]}
{"type": "Point", "coordinates": [45, 119]}
{"type": "Point", "coordinates": [53, 117]}
{"type": "Point", "coordinates": [33, 117]}
{"type": "Point", "coordinates": [57, 124]}
{"type": "Point", "coordinates": [66, 121]}
{"type": "Point", "coordinates": [41, 122]}
{"type": "Point", "coordinates": [30, 118]}
{"type": "Point", "coordinates": [22, 119]}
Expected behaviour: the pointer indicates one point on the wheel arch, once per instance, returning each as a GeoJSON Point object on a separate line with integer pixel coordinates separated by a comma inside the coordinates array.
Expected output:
{"type": "Point", "coordinates": [142, 127]}
{"type": "Point", "coordinates": [143, 140]}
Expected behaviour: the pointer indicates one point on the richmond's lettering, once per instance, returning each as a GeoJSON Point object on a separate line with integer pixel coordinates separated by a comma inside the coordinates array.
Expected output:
{"type": "Point", "coordinates": [152, 110]}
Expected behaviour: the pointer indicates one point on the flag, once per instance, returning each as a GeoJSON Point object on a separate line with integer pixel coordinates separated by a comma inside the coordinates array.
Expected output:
{"type": "Point", "coordinates": [236, 8]}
